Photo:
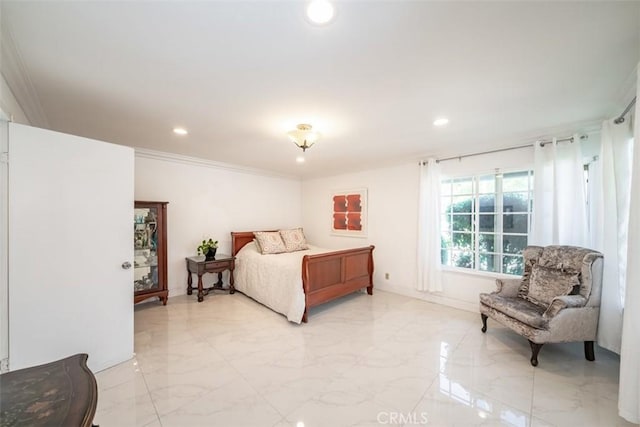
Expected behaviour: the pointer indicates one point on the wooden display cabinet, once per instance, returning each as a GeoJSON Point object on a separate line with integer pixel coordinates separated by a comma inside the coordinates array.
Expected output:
{"type": "Point", "coordinates": [150, 251]}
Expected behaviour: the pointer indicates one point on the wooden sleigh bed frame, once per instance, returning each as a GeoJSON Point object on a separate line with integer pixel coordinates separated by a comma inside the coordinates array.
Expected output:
{"type": "Point", "coordinates": [326, 276]}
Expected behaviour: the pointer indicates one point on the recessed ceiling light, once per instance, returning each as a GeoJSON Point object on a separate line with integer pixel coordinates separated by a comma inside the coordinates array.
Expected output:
{"type": "Point", "coordinates": [300, 159]}
{"type": "Point", "coordinates": [180, 131]}
{"type": "Point", "coordinates": [440, 121]}
{"type": "Point", "coordinates": [320, 11]}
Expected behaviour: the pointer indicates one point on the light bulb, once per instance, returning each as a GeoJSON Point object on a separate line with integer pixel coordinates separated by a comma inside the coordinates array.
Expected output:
{"type": "Point", "coordinates": [320, 11]}
{"type": "Point", "coordinates": [440, 121]}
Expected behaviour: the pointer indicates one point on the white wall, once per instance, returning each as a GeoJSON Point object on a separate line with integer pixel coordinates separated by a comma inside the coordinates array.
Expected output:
{"type": "Point", "coordinates": [211, 200]}
{"type": "Point", "coordinates": [393, 223]}
{"type": "Point", "coordinates": [9, 108]}
{"type": "Point", "coordinates": [392, 218]}
{"type": "Point", "coordinates": [4, 245]}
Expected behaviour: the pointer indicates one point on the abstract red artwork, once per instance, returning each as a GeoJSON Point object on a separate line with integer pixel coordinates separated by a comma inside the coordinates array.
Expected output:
{"type": "Point", "coordinates": [349, 212]}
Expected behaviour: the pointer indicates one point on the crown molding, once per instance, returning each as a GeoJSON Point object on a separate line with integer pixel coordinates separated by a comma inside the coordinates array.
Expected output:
{"type": "Point", "coordinates": [17, 78]}
{"type": "Point", "coordinates": [146, 153]}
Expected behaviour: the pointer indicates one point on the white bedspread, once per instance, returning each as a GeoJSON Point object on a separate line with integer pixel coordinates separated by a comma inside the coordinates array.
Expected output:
{"type": "Point", "coordinates": [273, 280]}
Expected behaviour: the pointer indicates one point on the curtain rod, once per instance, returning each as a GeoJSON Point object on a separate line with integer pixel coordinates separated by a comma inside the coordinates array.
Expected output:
{"type": "Point", "coordinates": [620, 118]}
{"type": "Point", "coordinates": [499, 150]}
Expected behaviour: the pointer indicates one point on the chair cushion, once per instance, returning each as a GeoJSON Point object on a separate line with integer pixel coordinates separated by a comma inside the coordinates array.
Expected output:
{"type": "Point", "coordinates": [517, 308]}
{"type": "Point", "coordinates": [547, 283]}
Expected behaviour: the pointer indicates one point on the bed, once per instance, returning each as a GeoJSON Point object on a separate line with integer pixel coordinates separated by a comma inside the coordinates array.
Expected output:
{"type": "Point", "coordinates": [303, 279]}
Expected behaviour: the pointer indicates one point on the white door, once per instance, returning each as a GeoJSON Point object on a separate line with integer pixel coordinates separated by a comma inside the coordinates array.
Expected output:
{"type": "Point", "coordinates": [70, 231]}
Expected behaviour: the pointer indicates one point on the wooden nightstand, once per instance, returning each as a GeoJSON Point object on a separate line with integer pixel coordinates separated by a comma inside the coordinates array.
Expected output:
{"type": "Point", "coordinates": [198, 265]}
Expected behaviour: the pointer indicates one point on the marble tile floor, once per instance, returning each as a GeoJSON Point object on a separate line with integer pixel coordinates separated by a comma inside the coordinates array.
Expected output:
{"type": "Point", "coordinates": [360, 361]}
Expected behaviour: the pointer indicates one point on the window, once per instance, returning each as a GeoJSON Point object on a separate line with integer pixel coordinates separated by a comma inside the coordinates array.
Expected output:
{"type": "Point", "coordinates": [486, 220]}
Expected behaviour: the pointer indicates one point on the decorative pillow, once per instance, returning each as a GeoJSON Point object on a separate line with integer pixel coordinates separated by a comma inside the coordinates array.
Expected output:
{"type": "Point", "coordinates": [547, 283]}
{"type": "Point", "coordinates": [523, 289]}
{"type": "Point", "coordinates": [531, 255]}
{"type": "Point", "coordinates": [294, 239]}
{"type": "Point", "coordinates": [269, 242]}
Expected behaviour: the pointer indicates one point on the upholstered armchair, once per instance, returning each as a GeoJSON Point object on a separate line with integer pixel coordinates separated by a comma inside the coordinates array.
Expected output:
{"type": "Point", "coordinates": [556, 300]}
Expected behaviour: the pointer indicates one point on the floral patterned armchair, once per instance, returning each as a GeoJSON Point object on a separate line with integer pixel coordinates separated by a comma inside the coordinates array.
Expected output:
{"type": "Point", "coordinates": [557, 299]}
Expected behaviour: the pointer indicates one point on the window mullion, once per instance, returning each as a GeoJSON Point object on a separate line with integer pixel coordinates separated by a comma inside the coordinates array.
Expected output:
{"type": "Point", "coordinates": [499, 224]}
{"type": "Point", "coordinates": [476, 222]}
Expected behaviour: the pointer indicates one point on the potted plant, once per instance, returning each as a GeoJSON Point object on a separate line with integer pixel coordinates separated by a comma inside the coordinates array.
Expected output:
{"type": "Point", "coordinates": [208, 249]}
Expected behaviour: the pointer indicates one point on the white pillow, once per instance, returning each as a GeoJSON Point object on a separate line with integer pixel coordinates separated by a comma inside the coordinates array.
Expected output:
{"type": "Point", "coordinates": [270, 242]}
{"type": "Point", "coordinates": [294, 239]}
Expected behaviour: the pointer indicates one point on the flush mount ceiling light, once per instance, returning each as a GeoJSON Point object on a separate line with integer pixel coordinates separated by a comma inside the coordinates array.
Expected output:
{"type": "Point", "coordinates": [320, 11]}
{"type": "Point", "coordinates": [303, 136]}
{"type": "Point", "coordinates": [180, 131]}
{"type": "Point", "coordinates": [440, 121]}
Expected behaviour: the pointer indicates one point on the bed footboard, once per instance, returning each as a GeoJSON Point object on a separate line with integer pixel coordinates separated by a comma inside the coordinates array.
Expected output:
{"type": "Point", "coordinates": [331, 275]}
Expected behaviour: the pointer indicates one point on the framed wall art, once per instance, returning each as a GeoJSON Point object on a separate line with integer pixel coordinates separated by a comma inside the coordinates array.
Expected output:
{"type": "Point", "coordinates": [349, 216]}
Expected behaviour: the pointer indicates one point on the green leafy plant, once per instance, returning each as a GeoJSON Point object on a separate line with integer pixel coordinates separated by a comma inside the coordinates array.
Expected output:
{"type": "Point", "coordinates": [207, 245]}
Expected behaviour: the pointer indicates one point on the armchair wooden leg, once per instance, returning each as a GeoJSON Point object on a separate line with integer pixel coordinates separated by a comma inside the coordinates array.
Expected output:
{"type": "Point", "coordinates": [588, 351]}
{"type": "Point", "coordinates": [484, 322]}
{"type": "Point", "coordinates": [535, 349]}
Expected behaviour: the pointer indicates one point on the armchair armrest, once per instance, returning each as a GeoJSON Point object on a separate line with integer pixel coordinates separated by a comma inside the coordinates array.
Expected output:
{"type": "Point", "coordinates": [562, 302]}
{"type": "Point", "coordinates": [508, 287]}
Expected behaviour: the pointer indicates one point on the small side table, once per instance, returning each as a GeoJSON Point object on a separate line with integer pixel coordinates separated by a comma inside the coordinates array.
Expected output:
{"type": "Point", "coordinates": [199, 265]}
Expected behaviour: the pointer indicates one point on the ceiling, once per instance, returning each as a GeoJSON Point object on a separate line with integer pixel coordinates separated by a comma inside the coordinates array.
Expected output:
{"type": "Point", "coordinates": [238, 75]}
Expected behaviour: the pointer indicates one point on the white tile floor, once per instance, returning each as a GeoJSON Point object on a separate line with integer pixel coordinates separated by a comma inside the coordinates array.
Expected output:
{"type": "Point", "coordinates": [360, 361]}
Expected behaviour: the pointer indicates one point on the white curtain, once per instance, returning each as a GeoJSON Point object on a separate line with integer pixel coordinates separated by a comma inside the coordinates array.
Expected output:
{"type": "Point", "coordinates": [559, 207]}
{"type": "Point", "coordinates": [609, 179]}
{"type": "Point", "coordinates": [629, 392]}
{"type": "Point", "coordinates": [429, 270]}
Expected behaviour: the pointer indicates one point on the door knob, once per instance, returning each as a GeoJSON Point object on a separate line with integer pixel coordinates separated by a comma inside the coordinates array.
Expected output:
{"type": "Point", "coordinates": [126, 265]}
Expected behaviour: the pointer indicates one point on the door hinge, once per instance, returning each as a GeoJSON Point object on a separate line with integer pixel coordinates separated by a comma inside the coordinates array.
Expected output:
{"type": "Point", "coordinates": [4, 157]}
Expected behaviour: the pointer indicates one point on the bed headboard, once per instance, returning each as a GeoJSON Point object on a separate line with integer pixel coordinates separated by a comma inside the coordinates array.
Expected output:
{"type": "Point", "coordinates": [241, 238]}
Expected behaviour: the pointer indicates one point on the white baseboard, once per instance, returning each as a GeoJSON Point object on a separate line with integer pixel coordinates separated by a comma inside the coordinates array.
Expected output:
{"type": "Point", "coordinates": [430, 297]}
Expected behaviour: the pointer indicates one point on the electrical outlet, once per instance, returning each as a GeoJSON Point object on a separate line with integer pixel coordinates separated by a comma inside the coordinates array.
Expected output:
{"type": "Point", "coordinates": [386, 276]}
{"type": "Point", "coordinates": [4, 366]}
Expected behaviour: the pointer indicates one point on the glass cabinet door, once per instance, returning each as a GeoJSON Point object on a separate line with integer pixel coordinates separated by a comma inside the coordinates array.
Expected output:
{"type": "Point", "coordinates": [150, 251]}
{"type": "Point", "coordinates": [145, 245]}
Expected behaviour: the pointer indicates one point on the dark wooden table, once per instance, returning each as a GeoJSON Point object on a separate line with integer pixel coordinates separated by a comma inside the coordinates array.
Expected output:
{"type": "Point", "coordinates": [199, 265]}
{"type": "Point", "coordinates": [61, 393]}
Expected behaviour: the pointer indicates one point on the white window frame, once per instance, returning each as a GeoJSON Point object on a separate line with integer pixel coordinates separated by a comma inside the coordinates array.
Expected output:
{"type": "Point", "coordinates": [498, 232]}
